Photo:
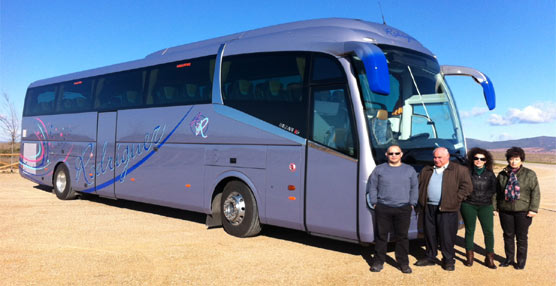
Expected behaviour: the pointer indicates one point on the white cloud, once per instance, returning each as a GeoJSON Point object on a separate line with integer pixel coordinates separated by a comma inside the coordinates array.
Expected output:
{"type": "Point", "coordinates": [531, 114]}
{"type": "Point", "coordinates": [476, 111]}
{"type": "Point", "coordinates": [498, 120]}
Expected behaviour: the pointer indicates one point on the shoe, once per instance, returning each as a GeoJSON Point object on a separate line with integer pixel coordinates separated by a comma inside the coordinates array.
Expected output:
{"type": "Point", "coordinates": [406, 269]}
{"type": "Point", "coordinates": [424, 262]}
{"type": "Point", "coordinates": [507, 262]}
{"type": "Point", "coordinates": [470, 255]}
{"type": "Point", "coordinates": [376, 267]}
{"type": "Point", "coordinates": [449, 267]}
{"type": "Point", "coordinates": [519, 265]}
{"type": "Point", "coordinates": [489, 260]}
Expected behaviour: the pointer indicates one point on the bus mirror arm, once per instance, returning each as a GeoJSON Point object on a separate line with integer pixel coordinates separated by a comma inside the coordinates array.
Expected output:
{"type": "Point", "coordinates": [479, 77]}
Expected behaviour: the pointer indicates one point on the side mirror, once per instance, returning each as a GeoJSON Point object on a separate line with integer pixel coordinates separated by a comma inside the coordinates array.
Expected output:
{"type": "Point", "coordinates": [479, 77]}
{"type": "Point", "coordinates": [376, 66]}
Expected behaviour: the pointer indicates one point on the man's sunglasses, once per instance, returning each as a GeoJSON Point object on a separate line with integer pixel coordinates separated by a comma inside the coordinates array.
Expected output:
{"type": "Point", "coordinates": [394, 153]}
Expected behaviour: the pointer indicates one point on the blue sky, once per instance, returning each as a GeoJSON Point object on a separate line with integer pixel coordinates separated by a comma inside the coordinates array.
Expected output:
{"type": "Point", "coordinates": [513, 42]}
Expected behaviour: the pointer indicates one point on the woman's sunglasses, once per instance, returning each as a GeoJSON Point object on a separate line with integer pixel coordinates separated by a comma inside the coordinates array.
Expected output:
{"type": "Point", "coordinates": [480, 159]}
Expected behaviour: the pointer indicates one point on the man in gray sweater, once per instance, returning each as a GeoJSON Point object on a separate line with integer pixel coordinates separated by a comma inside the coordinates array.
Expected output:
{"type": "Point", "coordinates": [392, 192]}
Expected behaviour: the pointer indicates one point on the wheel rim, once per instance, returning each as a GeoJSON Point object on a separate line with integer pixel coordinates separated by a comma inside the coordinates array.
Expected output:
{"type": "Point", "coordinates": [234, 208]}
{"type": "Point", "coordinates": [61, 181]}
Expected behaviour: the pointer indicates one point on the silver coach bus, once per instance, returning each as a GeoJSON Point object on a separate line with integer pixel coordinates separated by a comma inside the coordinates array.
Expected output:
{"type": "Point", "coordinates": [279, 126]}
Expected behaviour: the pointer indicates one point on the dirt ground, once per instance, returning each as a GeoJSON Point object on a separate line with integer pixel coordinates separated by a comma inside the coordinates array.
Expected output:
{"type": "Point", "coordinates": [92, 241]}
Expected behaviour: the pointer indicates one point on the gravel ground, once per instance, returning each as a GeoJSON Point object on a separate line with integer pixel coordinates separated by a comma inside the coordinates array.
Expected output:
{"type": "Point", "coordinates": [92, 241]}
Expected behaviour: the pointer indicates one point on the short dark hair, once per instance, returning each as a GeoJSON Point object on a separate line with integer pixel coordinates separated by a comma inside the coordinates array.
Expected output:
{"type": "Point", "coordinates": [515, 152]}
{"type": "Point", "coordinates": [471, 154]}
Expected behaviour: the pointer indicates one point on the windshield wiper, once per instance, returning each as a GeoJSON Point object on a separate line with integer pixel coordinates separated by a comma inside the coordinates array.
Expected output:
{"type": "Point", "coordinates": [429, 120]}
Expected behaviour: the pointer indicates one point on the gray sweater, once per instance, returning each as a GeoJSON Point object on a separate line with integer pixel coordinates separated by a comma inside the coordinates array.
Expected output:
{"type": "Point", "coordinates": [393, 186]}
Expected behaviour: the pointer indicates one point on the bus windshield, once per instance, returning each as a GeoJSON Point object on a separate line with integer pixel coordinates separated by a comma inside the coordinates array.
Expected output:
{"type": "Point", "coordinates": [419, 114]}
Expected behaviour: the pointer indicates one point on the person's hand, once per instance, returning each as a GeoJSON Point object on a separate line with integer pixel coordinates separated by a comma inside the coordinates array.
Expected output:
{"type": "Point", "coordinates": [494, 213]}
{"type": "Point", "coordinates": [531, 214]}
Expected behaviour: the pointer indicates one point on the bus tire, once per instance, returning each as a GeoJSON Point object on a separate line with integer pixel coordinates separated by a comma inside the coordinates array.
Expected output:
{"type": "Point", "coordinates": [62, 183]}
{"type": "Point", "coordinates": [240, 216]}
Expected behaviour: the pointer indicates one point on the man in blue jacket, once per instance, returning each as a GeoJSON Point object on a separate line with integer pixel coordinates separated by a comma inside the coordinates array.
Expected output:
{"type": "Point", "coordinates": [392, 192]}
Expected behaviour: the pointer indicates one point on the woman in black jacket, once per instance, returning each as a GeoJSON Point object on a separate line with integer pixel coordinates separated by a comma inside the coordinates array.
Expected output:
{"type": "Point", "coordinates": [479, 204]}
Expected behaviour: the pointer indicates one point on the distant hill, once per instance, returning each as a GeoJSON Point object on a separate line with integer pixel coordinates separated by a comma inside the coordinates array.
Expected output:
{"type": "Point", "coordinates": [539, 144]}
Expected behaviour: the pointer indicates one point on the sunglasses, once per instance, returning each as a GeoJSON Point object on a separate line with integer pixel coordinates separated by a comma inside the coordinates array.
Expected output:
{"type": "Point", "coordinates": [393, 153]}
{"type": "Point", "coordinates": [480, 159]}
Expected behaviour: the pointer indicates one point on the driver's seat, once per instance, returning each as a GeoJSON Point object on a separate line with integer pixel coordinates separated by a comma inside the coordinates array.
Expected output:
{"type": "Point", "coordinates": [381, 129]}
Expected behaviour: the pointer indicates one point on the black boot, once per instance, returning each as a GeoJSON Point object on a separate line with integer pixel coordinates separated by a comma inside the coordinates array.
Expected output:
{"type": "Point", "coordinates": [507, 262]}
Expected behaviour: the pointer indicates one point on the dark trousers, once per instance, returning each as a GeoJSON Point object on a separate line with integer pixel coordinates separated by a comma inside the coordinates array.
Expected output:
{"type": "Point", "coordinates": [394, 220]}
{"type": "Point", "coordinates": [440, 227]}
{"type": "Point", "coordinates": [515, 225]}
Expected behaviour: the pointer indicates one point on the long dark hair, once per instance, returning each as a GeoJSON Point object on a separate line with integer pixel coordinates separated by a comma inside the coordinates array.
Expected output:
{"type": "Point", "coordinates": [475, 151]}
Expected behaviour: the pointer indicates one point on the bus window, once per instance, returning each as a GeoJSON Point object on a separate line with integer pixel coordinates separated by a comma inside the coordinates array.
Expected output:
{"type": "Point", "coordinates": [120, 90]}
{"type": "Point", "coordinates": [327, 68]}
{"type": "Point", "coordinates": [75, 96]}
{"type": "Point", "coordinates": [181, 83]}
{"type": "Point", "coordinates": [331, 121]}
{"type": "Point", "coordinates": [40, 100]}
{"type": "Point", "coordinates": [269, 86]}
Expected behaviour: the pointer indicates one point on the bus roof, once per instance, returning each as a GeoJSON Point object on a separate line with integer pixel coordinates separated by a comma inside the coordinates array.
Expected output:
{"type": "Point", "coordinates": [328, 35]}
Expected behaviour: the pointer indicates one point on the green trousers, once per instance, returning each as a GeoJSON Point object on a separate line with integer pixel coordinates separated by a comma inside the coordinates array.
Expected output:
{"type": "Point", "coordinates": [470, 213]}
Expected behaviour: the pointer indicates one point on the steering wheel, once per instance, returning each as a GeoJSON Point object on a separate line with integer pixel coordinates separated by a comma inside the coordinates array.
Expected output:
{"type": "Point", "coordinates": [420, 136]}
{"type": "Point", "coordinates": [381, 105]}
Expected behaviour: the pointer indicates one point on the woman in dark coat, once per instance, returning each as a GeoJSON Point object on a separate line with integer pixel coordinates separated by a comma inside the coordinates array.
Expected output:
{"type": "Point", "coordinates": [480, 204]}
{"type": "Point", "coordinates": [517, 201]}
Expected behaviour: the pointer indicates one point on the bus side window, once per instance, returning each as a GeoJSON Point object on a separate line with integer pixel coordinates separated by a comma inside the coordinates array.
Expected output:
{"type": "Point", "coordinates": [180, 83]}
{"type": "Point", "coordinates": [40, 100]}
{"type": "Point", "coordinates": [269, 86]}
{"type": "Point", "coordinates": [120, 90]}
{"type": "Point", "coordinates": [326, 69]}
{"type": "Point", "coordinates": [331, 121]}
{"type": "Point", "coordinates": [75, 96]}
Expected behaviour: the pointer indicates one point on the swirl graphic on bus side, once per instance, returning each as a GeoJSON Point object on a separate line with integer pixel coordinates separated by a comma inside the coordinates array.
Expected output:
{"type": "Point", "coordinates": [199, 125]}
{"type": "Point", "coordinates": [39, 163]}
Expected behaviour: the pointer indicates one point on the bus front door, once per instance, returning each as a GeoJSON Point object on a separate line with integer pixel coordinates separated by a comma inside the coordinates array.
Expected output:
{"type": "Point", "coordinates": [331, 198]}
{"type": "Point", "coordinates": [105, 148]}
{"type": "Point", "coordinates": [331, 192]}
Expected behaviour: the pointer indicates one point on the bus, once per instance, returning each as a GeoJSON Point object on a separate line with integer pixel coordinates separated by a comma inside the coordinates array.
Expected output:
{"type": "Point", "coordinates": [278, 126]}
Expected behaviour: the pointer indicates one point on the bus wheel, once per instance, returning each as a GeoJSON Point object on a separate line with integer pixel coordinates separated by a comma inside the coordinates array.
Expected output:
{"type": "Point", "coordinates": [240, 216]}
{"type": "Point", "coordinates": [62, 184]}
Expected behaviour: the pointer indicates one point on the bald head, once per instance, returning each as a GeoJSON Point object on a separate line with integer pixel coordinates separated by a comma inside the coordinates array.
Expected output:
{"type": "Point", "coordinates": [441, 156]}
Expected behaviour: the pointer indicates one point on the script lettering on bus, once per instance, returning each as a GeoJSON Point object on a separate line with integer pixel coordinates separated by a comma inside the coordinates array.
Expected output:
{"type": "Point", "coordinates": [398, 34]}
{"type": "Point", "coordinates": [125, 153]}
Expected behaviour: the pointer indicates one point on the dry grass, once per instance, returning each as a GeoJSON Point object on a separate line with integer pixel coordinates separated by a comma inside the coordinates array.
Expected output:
{"type": "Point", "coordinates": [532, 155]}
{"type": "Point", "coordinates": [5, 148]}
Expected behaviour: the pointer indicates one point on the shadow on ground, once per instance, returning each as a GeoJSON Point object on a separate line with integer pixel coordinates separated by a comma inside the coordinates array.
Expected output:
{"type": "Point", "coordinates": [416, 247]}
